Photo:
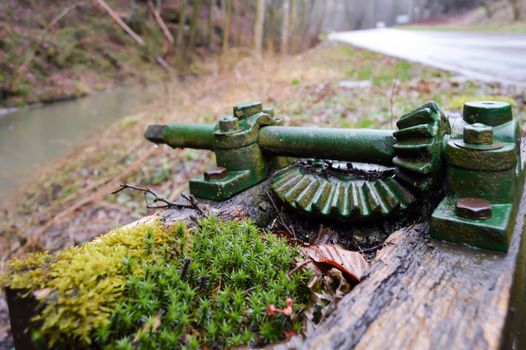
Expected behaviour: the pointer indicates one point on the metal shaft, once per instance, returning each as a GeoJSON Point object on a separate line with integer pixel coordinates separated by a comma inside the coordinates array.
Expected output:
{"type": "Point", "coordinates": [358, 145]}
{"type": "Point", "coordinates": [198, 136]}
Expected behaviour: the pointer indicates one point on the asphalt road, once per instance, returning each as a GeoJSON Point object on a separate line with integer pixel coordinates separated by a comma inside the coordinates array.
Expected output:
{"type": "Point", "coordinates": [490, 57]}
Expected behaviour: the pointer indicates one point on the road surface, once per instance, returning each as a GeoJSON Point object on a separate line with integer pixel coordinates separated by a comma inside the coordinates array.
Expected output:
{"type": "Point", "coordinates": [490, 57]}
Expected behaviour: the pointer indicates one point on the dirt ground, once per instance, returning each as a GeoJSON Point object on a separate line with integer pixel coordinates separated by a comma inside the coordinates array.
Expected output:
{"type": "Point", "coordinates": [329, 85]}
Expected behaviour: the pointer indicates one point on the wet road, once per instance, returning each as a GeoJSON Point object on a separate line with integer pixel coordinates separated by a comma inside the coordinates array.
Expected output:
{"type": "Point", "coordinates": [489, 57]}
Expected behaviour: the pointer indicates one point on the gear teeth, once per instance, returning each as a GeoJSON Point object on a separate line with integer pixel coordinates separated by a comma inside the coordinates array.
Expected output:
{"type": "Point", "coordinates": [415, 165]}
{"type": "Point", "coordinates": [421, 183]}
{"type": "Point", "coordinates": [296, 189]}
{"type": "Point", "coordinates": [418, 146]}
{"type": "Point", "coordinates": [285, 180]}
{"type": "Point", "coordinates": [362, 201]}
{"type": "Point", "coordinates": [404, 196]}
{"type": "Point", "coordinates": [323, 202]}
{"type": "Point", "coordinates": [354, 201]}
{"type": "Point", "coordinates": [350, 199]}
{"type": "Point", "coordinates": [412, 132]}
{"type": "Point", "coordinates": [389, 200]}
{"type": "Point", "coordinates": [304, 200]}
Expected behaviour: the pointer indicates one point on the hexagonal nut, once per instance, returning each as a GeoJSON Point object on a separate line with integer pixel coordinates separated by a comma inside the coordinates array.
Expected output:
{"type": "Point", "coordinates": [244, 110]}
{"type": "Point", "coordinates": [217, 173]}
{"type": "Point", "coordinates": [473, 208]}
{"type": "Point", "coordinates": [228, 124]}
{"type": "Point", "coordinates": [478, 134]}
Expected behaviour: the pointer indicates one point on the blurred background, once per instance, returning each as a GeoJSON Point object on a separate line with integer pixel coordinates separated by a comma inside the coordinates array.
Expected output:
{"type": "Point", "coordinates": [80, 81]}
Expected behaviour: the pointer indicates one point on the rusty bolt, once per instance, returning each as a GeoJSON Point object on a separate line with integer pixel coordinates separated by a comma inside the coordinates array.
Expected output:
{"type": "Point", "coordinates": [478, 134]}
{"type": "Point", "coordinates": [473, 208]}
{"type": "Point", "coordinates": [244, 110]}
{"type": "Point", "coordinates": [217, 173]}
{"type": "Point", "coordinates": [228, 124]}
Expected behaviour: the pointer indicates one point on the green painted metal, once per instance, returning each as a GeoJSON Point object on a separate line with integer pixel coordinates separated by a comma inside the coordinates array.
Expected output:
{"type": "Point", "coordinates": [352, 193]}
{"type": "Point", "coordinates": [189, 135]}
{"type": "Point", "coordinates": [479, 159]}
{"type": "Point", "coordinates": [490, 113]}
{"type": "Point", "coordinates": [484, 164]}
{"type": "Point", "coordinates": [357, 145]}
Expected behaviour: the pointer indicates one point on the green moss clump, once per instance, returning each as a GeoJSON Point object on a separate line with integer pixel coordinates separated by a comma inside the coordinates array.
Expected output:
{"type": "Point", "coordinates": [79, 287]}
{"type": "Point", "coordinates": [149, 287]}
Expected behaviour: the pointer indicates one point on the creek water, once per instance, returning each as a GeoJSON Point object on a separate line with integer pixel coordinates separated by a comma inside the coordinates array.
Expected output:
{"type": "Point", "coordinates": [32, 138]}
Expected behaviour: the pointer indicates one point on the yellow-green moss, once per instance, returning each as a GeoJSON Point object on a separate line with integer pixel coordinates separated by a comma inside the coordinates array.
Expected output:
{"type": "Point", "coordinates": [80, 286]}
{"type": "Point", "coordinates": [153, 287]}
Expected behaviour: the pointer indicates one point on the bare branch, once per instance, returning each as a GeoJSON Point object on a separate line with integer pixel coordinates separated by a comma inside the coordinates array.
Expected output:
{"type": "Point", "coordinates": [290, 230]}
{"type": "Point", "coordinates": [156, 199]}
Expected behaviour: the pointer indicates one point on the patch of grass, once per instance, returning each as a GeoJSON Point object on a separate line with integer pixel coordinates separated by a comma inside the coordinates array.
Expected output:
{"type": "Point", "coordinates": [154, 287]}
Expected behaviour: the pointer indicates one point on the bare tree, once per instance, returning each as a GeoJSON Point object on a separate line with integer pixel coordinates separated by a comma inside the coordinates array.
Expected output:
{"type": "Point", "coordinates": [258, 27]}
{"type": "Point", "coordinates": [180, 30]}
{"type": "Point", "coordinates": [285, 27]}
{"type": "Point", "coordinates": [193, 23]}
{"type": "Point", "coordinates": [515, 7]}
{"type": "Point", "coordinates": [227, 11]}
{"type": "Point", "coordinates": [211, 6]}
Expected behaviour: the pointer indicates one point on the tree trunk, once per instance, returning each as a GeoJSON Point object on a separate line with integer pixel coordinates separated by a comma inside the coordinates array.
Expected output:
{"type": "Point", "coordinates": [515, 7]}
{"type": "Point", "coordinates": [211, 6]}
{"type": "Point", "coordinates": [193, 24]}
{"type": "Point", "coordinates": [180, 30]}
{"type": "Point", "coordinates": [227, 12]}
{"type": "Point", "coordinates": [285, 27]}
{"type": "Point", "coordinates": [292, 24]}
{"type": "Point", "coordinates": [159, 6]}
{"type": "Point", "coordinates": [258, 27]}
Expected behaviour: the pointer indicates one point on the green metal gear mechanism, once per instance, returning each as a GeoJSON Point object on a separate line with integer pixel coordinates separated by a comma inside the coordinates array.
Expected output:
{"type": "Point", "coordinates": [357, 175]}
{"type": "Point", "coordinates": [372, 193]}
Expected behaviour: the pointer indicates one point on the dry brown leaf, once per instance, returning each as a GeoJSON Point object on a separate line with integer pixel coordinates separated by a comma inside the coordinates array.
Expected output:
{"type": "Point", "coordinates": [350, 263]}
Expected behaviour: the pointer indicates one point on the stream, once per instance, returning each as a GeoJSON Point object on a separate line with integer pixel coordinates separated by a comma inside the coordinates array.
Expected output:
{"type": "Point", "coordinates": [33, 138]}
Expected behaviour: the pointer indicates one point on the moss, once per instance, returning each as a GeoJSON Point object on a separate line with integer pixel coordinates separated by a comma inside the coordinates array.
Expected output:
{"type": "Point", "coordinates": [155, 287]}
{"type": "Point", "coordinates": [80, 286]}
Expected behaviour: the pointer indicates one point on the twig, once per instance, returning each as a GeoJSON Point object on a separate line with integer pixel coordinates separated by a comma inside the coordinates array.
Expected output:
{"type": "Point", "coordinates": [164, 64]}
{"type": "Point", "coordinates": [194, 204]}
{"type": "Point", "coordinates": [395, 82]}
{"type": "Point", "coordinates": [131, 33]}
{"type": "Point", "coordinates": [372, 249]}
{"type": "Point", "coordinates": [120, 22]}
{"type": "Point", "coordinates": [290, 230]}
{"type": "Point", "coordinates": [156, 199]}
{"type": "Point", "coordinates": [161, 23]}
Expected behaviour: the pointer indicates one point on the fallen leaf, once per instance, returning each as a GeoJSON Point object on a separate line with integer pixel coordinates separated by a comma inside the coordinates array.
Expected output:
{"type": "Point", "coordinates": [350, 263]}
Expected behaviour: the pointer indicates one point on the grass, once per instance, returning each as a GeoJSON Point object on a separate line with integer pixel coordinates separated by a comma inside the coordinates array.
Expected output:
{"type": "Point", "coordinates": [153, 287]}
